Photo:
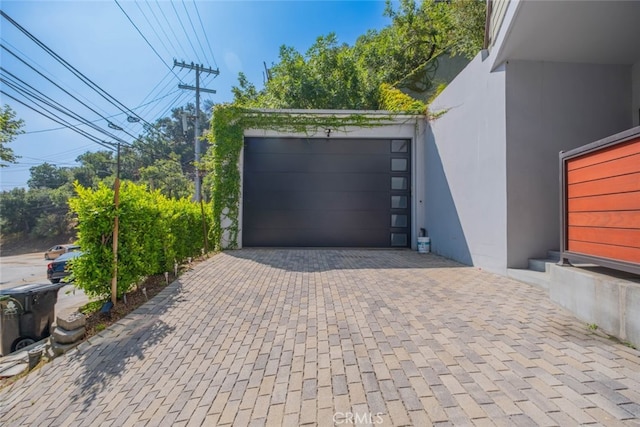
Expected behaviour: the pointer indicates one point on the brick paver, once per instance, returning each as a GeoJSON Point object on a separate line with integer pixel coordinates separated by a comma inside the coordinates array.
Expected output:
{"type": "Point", "coordinates": [337, 337]}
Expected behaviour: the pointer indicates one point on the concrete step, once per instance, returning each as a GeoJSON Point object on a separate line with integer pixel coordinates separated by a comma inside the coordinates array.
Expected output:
{"type": "Point", "coordinates": [541, 264]}
{"type": "Point", "coordinates": [62, 336]}
{"type": "Point", "coordinates": [554, 255]}
{"type": "Point", "coordinates": [536, 278]}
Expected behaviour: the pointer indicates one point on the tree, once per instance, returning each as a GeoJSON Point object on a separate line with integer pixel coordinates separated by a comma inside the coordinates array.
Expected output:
{"type": "Point", "coordinates": [9, 129]}
{"type": "Point", "coordinates": [47, 175]}
{"type": "Point", "coordinates": [166, 176]}
{"type": "Point", "coordinates": [421, 34]}
{"type": "Point", "coordinates": [41, 211]}
{"type": "Point", "coordinates": [15, 215]}
{"type": "Point", "coordinates": [404, 55]}
{"type": "Point", "coordinates": [326, 76]}
{"type": "Point", "coordinates": [166, 136]}
{"type": "Point", "coordinates": [94, 166]}
{"type": "Point", "coordinates": [49, 210]}
{"type": "Point", "coordinates": [162, 158]}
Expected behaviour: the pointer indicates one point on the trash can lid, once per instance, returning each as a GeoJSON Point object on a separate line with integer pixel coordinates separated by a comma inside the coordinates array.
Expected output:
{"type": "Point", "coordinates": [32, 288]}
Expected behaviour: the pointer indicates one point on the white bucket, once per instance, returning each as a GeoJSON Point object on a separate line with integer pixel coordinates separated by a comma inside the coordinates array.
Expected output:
{"type": "Point", "coordinates": [424, 245]}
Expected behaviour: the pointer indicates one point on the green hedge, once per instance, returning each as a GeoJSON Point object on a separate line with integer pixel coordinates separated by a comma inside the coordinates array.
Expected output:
{"type": "Point", "coordinates": [154, 232]}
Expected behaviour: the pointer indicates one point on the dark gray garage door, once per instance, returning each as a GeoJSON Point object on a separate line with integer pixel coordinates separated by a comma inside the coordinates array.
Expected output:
{"type": "Point", "coordinates": [326, 192]}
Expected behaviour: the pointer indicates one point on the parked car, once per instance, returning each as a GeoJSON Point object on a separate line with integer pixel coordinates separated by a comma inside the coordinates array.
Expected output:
{"type": "Point", "coordinates": [55, 251]}
{"type": "Point", "coordinates": [60, 268]}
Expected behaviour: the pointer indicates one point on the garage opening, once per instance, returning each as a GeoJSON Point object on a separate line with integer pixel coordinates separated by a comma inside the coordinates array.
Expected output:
{"type": "Point", "coordinates": [329, 192]}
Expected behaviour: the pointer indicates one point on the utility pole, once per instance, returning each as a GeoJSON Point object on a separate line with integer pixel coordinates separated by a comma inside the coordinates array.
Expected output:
{"type": "Point", "coordinates": [198, 69]}
{"type": "Point", "coordinates": [116, 230]}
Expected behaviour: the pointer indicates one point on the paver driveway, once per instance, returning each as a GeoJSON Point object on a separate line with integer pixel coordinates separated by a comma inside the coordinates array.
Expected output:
{"type": "Point", "coordinates": [334, 337]}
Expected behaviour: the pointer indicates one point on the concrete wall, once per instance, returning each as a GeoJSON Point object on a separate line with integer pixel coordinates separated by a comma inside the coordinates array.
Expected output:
{"type": "Point", "coordinates": [465, 169]}
{"type": "Point", "coordinates": [635, 96]}
{"type": "Point", "coordinates": [552, 107]}
{"type": "Point", "coordinates": [599, 297]}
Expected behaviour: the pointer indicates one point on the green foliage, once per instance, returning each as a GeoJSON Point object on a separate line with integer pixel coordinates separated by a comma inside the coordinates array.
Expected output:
{"type": "Point", "coordinates": [47, 175]}
{"type": "Point", "coordinates": [467, 19]}
{"type": "Point", "coordinates": [166, 175]}
{"type": "Point", "coordinates": [223, 178]}
{"type": "Point", "coordinates": [96, 212]}
{"type": "Point", "coordinates": [166, 137]}
{"type": "Point", "coordinates": [327, 76]}
{"type": "Point", "coordinates": [50, 225]}
{"type": "Point", "coordinates": [162, 158]}
{"type": "Point", "coordinates": [40, 211]}
{"type": "Point", "coordinates": [94, 166]}
{"type": "Point", "coordinates": [15, 213]}
{"type": "Point", "coordinates": [392, 99]}
{"type": "Point", "coordinates": [9, 129]}
{"type": "Point", "coordinates": [405, 55]}
{"type": "Point", "coordinates": [154, 232]}
{"type": "Point", "coordinates": [49, 210]}
{"type": "Point", "coordinates": [91, 307]}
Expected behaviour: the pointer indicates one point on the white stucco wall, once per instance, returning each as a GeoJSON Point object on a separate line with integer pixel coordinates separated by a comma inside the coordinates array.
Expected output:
{"type": "Point", "coordinates": [552, 107]}
{"type": "Point", "coordinates": [466, 171]}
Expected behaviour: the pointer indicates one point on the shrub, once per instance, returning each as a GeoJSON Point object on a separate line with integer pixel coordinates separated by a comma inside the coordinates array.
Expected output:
{"type": "Point", "coordinates": [154, 232]}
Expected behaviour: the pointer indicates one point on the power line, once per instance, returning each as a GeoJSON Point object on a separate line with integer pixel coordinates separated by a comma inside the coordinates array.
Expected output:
{"type": "Point", "coordinates": [145, 106]}
{"type": "Point", "coordinates": [94, 121]}
{"type": "Point", "coordinates": [57, 119]}
{"type": "Point", "coordinates": [205, 33]}
{"type": "Point", "coordinates": [174, 102]}
{"type": "Point", "coordinates": [59, 164]}
{"type": "Point", "coordinates": [51, 102]}
{"type": "Point", "coordinates": [164, 89]}
{"type": "Point", "coordinates": [39, 99]}
{"type": "Point", "coordinates": [145, 39]}
{"type": "Point", "coordinates": [64, 123]}
{"type": "Point", "coordinates": [162, 28]}
{"type": "Point", "coordinates": [170, 26]}
{"type": "Point", "coordinates": [64, 154]}
{"type": "Point", "coordinates": [36, 95]}
{"type": "Point", "coordinates": [185, 31]}
{"type": "Point", "coordinates": [40, 67]}
{"type": "Point", "coordinates": [154, 88]}
{"type": "Point", "coordinates": [52, 82]}
{"type": "Point", "coordinates": [75, 127]}
{"type": "Point", "coordinates": [194, 29]}
{"type": "Point", "coordinates": [153, 28]}
{"type": "Point", "coordinates": [130, 117]}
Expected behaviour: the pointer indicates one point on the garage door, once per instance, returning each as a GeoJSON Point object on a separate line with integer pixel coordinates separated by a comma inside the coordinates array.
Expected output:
{"type": "Point", "coordinates": [326, 192]}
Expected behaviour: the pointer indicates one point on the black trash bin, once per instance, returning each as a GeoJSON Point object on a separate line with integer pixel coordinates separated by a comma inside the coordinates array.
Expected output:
{"type": "Point", "coordinates": [26, 315]}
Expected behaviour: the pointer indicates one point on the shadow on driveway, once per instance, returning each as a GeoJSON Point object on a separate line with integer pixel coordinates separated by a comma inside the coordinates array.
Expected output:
{"type": "Point", "coordinates": [316, 260]}
{"type": "Point", "coordinates": [122, 345]}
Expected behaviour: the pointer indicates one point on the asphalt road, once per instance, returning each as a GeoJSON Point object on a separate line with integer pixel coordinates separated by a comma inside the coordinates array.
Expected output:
{"type": "Point", "coordinates": [32, 268]}
{"type": "Point", "coordinates": [23, 269]}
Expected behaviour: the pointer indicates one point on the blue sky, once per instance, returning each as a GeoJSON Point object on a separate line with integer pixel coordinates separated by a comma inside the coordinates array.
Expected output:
{"type": "Point", "coordinates": [98, 40]}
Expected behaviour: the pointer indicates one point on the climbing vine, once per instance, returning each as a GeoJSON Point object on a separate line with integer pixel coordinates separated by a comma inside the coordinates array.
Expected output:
{"type": "Point", "coordinates": [392, 99]}
{"type": "Point", "coordinates": [226, 139]}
